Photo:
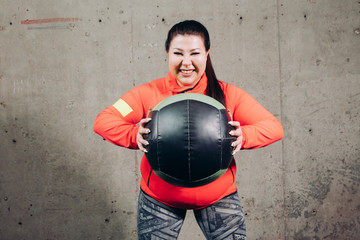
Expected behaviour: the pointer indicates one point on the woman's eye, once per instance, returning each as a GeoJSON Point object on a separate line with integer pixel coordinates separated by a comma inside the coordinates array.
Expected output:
{"type": "Point", "coordinates": [177, 53]}
{"type": "Point", "coordinates": [195, 53]}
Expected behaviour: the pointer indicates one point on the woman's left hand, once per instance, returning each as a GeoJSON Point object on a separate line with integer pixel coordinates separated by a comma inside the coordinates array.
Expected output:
{"type": "Point", "coordinates": [237, 133]}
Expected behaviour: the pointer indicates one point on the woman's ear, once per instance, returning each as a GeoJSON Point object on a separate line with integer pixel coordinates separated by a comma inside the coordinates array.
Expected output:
{"type": "Point", "coordinates": [207, 54]}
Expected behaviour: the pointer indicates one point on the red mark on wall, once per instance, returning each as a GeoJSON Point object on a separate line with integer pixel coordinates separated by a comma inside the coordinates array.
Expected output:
{"type": "Point", "coordinates": [49, 20]}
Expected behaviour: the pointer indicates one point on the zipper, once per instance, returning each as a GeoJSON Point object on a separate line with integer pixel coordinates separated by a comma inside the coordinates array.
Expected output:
{"type": "Point", "coordinates": [232, 174]}
{"type": "Point", "coordinates": [148, 182]}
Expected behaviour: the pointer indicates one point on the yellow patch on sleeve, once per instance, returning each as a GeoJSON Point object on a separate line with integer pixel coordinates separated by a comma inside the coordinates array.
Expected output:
{"type": "Point", "coordinates": [123, 107]}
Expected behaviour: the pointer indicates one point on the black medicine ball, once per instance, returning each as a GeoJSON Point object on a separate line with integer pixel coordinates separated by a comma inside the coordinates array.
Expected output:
{"type": "Point", "coordinates": [189, 142]}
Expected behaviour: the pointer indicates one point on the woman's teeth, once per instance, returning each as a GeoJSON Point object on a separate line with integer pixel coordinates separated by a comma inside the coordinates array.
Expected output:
{"type": "Point", "coordinates": [187, 71]}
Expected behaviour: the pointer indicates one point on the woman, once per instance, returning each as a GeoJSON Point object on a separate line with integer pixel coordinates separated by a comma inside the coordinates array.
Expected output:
{"type": "Point", "coordinates": [162, 206]}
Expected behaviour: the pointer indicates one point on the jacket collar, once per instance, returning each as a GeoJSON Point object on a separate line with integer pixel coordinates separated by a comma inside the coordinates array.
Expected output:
{"type": "Point", "coordinates": [200, 87]}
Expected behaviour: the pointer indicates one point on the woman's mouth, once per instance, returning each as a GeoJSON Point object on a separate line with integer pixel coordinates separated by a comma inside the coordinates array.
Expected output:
{"type": "Point", "coordinates": [187, 71]}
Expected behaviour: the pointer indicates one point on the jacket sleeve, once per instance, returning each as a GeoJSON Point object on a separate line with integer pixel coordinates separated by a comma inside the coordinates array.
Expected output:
{"type": "Point", "coordinates": [117, 123]}
{"type": "Point", "coordinates": [259, 127]}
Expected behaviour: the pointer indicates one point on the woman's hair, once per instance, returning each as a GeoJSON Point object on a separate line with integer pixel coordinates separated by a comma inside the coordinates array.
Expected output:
{"type": "Point", "coordinates": [191, 27]}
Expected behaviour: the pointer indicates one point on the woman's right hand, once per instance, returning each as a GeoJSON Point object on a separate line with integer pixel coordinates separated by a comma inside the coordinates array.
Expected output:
{"type": "Point", "coordinates": [142, 130]}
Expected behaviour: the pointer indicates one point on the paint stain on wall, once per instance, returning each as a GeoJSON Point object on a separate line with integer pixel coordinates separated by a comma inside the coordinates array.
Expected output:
{"type": "Point", "coordinates": [51, 21]}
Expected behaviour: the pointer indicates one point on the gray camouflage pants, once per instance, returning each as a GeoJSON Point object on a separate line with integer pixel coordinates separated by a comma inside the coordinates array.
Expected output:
{"type": "Point", "coordinates": [223, 220]}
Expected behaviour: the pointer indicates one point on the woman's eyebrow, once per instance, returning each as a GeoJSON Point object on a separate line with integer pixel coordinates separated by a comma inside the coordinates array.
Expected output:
{"type": "Point", "coordinates": [191, 50]}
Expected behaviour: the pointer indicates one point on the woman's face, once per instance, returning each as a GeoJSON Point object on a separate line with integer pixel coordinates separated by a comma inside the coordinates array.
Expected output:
{"type": "Point", "coordinates": [187, 59]}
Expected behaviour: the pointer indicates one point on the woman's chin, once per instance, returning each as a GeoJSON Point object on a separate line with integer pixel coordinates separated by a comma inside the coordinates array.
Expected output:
{"type": "Point", "coordinates": [187, 82]}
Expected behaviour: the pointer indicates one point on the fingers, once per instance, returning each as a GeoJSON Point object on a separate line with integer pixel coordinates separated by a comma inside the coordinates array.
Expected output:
{"type": "Point", "coordinates": [237, 145]}
{"type": "Point", "coordinates": [144, 121]}
{"type": "Point", "coordinates": [234, 124]}
{"type": "Point", "coordinates": [142, 130]}
{"type": "Point", "coordinates": [141, 143]}
{"type": "Point", "coordinates": [237, 133]}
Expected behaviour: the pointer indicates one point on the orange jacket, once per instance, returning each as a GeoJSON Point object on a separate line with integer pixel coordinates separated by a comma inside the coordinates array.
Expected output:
{"type": "Point", "coordinates": [117, 124]}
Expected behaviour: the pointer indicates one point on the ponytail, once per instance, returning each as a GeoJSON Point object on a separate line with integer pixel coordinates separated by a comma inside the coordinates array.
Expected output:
{"type": "Point", "coordinates": [213, 88]}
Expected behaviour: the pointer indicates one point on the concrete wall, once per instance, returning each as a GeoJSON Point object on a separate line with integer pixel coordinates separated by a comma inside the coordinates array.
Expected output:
{"type": "Point", "coordinates": [300, 59]}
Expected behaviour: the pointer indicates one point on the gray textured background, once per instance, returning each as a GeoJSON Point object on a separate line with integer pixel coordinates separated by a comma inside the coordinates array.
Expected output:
{"type": "Point", "coordinates": [300, 59]}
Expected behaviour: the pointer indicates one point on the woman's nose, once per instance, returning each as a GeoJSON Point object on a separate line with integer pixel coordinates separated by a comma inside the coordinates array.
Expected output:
{"type": "Point", "coordinates": [186, 60]}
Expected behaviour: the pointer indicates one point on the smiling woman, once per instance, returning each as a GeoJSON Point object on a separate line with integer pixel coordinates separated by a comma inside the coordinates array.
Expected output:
{"type": "Point", "coordinates": [187, 59]}
{"type": "Point", "coordinates": [162, 204]}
